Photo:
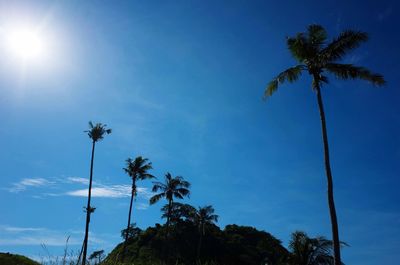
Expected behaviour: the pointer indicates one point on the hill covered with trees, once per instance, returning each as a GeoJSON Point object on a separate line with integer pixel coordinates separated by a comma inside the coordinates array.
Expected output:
{"type": "Point", "coordinates": [13, 259]}
{"type": "Point", "coordinates": [233, 245]}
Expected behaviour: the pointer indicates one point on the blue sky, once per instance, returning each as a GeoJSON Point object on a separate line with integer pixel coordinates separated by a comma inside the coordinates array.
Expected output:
{"type": "Point", "coordinates": [181, 83]}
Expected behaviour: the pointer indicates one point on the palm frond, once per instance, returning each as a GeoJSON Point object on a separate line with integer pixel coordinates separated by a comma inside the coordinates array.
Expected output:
{"type": "Point", "coordinates": [316, 35]}
{"type": "Point", "coordinates": [156, 198]}
{"type": "Point", "coordinates": [299, 47]}
{"type": "Point", "coordinates": [292, 74]}
{"type": "Point", "coordinates": [349, 71]}
{"type": "Point", "coordinates": [346, 41]}
{"type": "Point", "coordinates": [158, 186]}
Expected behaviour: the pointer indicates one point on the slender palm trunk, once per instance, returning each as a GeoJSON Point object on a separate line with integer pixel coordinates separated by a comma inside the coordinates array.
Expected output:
{"type": "Point", "coordinates": [129, 221]}
{"type": "Point", "coordinates": [331, 202]}
{"type": "Point", "coordinates": [88, 208]}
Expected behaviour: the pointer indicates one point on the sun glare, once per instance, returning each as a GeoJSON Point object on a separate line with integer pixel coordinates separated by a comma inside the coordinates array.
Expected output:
{"type": "Point", "coordinates": [25, 44]}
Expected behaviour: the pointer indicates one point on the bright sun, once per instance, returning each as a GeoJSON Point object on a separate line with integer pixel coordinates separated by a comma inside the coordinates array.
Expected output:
{"type": "Point", "coordinates": [25, 44]}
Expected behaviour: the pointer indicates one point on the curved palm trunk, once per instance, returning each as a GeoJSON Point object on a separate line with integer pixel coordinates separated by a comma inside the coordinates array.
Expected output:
{"type": "Point", "coordinates": [331, 202]}
{"type": "Point", "coordinates": [88, 208]}
{"type": "Point", "coordinates": [129, 222]}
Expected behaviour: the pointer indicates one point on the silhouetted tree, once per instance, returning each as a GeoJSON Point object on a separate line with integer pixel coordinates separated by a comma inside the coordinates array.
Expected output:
{"type": "Point", "coordinates": [97, 255]}
{"type": "Point", "coordinates": [175, 187]}
{"type": "Point", "coordinates": [318, 58]}
{"type": "Point", "coordinates": [310, 251]}
{"type": "Point", "coordinates": [178, 212]}
{"type": "Point", "coordinates": [137, 170]}
{"type": "Point", "coordinates": [96, 133]}
{"type": "Point", "coordinates": [203, 217]}
{"type": "Point", "coordinates": [130, 232]}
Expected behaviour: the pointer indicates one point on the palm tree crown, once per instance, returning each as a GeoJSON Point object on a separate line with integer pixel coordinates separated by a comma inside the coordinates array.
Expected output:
{"type": "Point", "coordinates": [318, 58]}
{"type": "Point", "coordinates": [137, 169]}
{"type": "Point", "coordinates": [204, 216]}
{"type": "Point", "coordinates": [97, 132]}
{"type": "Point", "coordinates": [310, 251]}
{"type": "Point", "coordinates": [175, 187]}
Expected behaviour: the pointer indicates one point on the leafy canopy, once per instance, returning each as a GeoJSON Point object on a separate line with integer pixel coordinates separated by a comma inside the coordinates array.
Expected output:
{"type": "Point", "coordinates": [319, 57]}
{"type": "Point", "coordinates": [97, 132]}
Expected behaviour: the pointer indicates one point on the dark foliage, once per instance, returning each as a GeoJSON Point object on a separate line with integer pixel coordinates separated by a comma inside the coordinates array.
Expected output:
{"type": "Point", "coordinates": [235, 245]}
{"type": "Point", "coordinates": [13, 259]}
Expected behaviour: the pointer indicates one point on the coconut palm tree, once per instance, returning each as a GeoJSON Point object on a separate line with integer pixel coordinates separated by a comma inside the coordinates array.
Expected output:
{"type": "Point", "coordinates": [178, 212]}
{"type": "Point", "coordinates": [203, 217]}
{"type": "Point", "coordinates": [96, 133]}
{"type": "Point", "coordinates": [175, 187]}
{"type": "Point", "coordinates": [319, 58]}
{"type": "Point", "coordinates": [310, 251]}
{"type": "Point", "coordinates": [137, 170]}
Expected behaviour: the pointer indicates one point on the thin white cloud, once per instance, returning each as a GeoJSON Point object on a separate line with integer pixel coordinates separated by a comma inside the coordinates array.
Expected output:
{"type": "Point", "coordinates": [21, 229]}
{"type": "Point", "coordinates": [78, 180]}
{"type": "Point", "coordinates": [29, 182]}
{"type": "Point", "coordinates": [98, 190]}
{"type": "Point", "coordinates": [111, 191]}
{"type": "Point", "coordinates": [116, 191]}
{"type": "Point", "coordinates": [28, 236]}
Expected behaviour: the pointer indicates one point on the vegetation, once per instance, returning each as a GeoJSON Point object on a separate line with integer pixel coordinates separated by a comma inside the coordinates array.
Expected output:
{"type": "Point", "coordinates": [137, 170]}
{"type": "Point", "coordinates": [234, 245]}
{"type": "Point", "coordinates": [310, 251]}
{"type": "Point", "coordinates": [13, 259]}
{"type": "Point", "coordinates": [175, 187]}
{"type": "Point", "coordinates": [96, 133]}
{"type": "Point", "coordinates": [203, 218]}
{"type": "Point", "coordinates": [319, 58]}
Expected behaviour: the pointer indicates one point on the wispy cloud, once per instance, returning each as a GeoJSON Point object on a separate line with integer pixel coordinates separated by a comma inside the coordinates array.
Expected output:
{"type": "Point", "coordinates": [20, 229]}
{"type": "Point", "coordinates": [74, 187]}
{"type": "Point", "coordinates": [25, 236]}
{"type": "Point", "coordinates": [115, 191]}
{"type": "Point", "coordinates": [111, 191]}
{"type": "Point", "coordinates": [29, 182]}
{"type": "Point", "coordinates": [84, 181]}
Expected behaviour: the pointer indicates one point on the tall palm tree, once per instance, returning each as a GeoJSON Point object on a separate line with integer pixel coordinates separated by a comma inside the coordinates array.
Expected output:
{"type": "Point", "coordinates": [203, 217]}
{"type": "Point", "coordinates": [96, 133]}
{"type": "Point", "coordinates": [319, 58]}
{"type": "Point", "coordinates": [310, 251]}
{"type": "Point", "coordinates": [137, 170]}
{"type": "Point", "coordinates": [175, 187]}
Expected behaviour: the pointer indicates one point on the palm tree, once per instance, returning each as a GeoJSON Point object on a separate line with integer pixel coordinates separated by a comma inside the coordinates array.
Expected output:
{"type": "Point", "coordinates": [175, 187]}
{"type": "Point", "coordinates": [310, 251]}
{"type": "Point", "coordinates": [203, 217]}
{"type": "Point", "coordinates": [137, 170]}
{"type": "Point", "coordinates": [96, 133]}
{"type": "Point", "coordinates": [178, 212]}
{"type": "Point", "coordinates": [318, 58]}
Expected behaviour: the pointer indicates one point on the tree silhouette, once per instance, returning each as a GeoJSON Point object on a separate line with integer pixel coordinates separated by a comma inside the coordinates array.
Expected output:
{"type": "Point", "coordinates": [318, 58]}
{"type": "Point", "coordinates": [310, 251]}
{"type": "Point", "coordinates": [175, 187]}
{"type": "Point", "coordinates": [178, 212]}
{"type": "Point", "coordinates": [96, 133]}
{"type": "Point", "coordinates": [137, 170]}
{"type": "Point", "coordinates": [97, 255]}
{"type": "Point", "coordinates": [202, 217]}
